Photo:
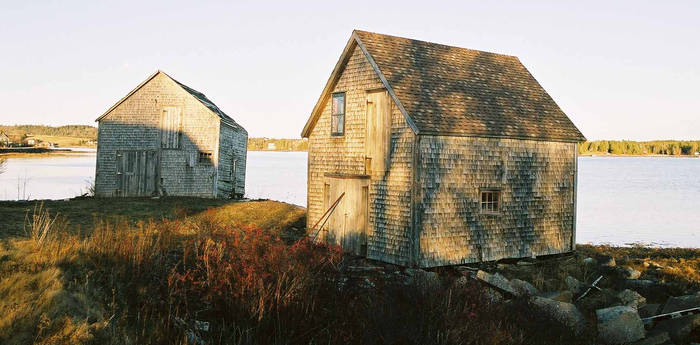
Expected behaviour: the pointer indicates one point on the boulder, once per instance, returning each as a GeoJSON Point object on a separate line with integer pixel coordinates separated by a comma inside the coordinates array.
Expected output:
{"type": "Point", "coordinates": [681, 303]}
{"type": "Point", "coordinates": [561, 296]}
{"type": "Point", "coordinates": [565, 313]}
{"type": "Point", "coordinates": [523, 288]}
{"type": "Point", "coordinates": [495, 280]}
{"type": "Point", "coordinates": [646, 287]}
{"type": "Point", "coordinates": [493, 295]}
{"type": "Point", "coordinates": [640, 284]}
{"type": "Point", "coordinates": [595, 299]}
{"type": "Point", "coordinates": [590, 261]}
{"type": "Point", "coordinates": [679, 329]}
{"type": "Point", "coordinates": [649, 310]}
{"type": "Point", "coordinates": [421, 277]}
{"type": "Point", "coordinates": [632, 299]}
{"type": "Point", "coordinates": [619, 325]}
{"type": "Point", "coordinates": [574, 285]}
{"type": "Point", "coordinates": [658, 338]}
{"type": "Point", "coordinates": [653, 265]}
{"type": "Point", "coordinates": [606, 261]}
{"type": "Point", "coordinates": [630, 273]}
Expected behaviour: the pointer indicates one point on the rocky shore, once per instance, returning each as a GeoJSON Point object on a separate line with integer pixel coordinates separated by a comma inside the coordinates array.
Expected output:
{"type": "Point", "coordinates": [641, 296]}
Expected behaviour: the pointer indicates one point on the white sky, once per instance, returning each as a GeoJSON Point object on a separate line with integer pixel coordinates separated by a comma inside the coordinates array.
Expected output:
{"type": "Point", "coordinates": [620, 70]}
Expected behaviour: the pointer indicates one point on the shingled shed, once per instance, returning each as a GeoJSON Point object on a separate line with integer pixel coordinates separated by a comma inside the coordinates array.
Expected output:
{"type": "Point", "coordinates": [164, 138]}
{"type": "Point", "coordinates": [442, 156]}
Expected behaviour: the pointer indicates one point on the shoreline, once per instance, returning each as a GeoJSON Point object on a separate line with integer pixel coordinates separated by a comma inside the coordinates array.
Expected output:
{"type": "Point", "coordinates": [42, 152]}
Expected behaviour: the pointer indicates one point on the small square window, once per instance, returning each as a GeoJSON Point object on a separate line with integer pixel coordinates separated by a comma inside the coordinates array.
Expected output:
{"type": "Point", "coordinates": [490, 201]}
{"type": "Point", "coordinates": [338, 114]}
{"type": "Point", "coordinates": [205, 157]}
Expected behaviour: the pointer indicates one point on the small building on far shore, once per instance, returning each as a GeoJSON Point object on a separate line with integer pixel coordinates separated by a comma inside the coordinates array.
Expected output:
{"type": "Point", "coordinates": [30, 141]}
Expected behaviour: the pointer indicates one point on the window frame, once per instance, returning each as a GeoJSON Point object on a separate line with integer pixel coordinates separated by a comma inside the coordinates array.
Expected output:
{"type": "Point", "coordinates": [495, 203]}
{"type": "Point", "coordinates": [333, 116]}
{"type": "Point", "coordinates": [205, 157]}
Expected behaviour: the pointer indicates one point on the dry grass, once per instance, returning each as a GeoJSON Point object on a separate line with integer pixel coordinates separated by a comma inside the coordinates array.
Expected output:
{"type": "Point", "coordinates": [235, 266]}
{"type": "Point", "coordinates": [679, 268]}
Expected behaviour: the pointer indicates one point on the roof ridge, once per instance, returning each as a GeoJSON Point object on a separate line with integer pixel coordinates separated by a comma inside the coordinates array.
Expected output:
{"type": "Point", "coordinates": [435, 43]}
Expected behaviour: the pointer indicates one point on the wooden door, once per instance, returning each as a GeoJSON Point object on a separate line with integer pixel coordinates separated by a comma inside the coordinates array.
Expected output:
{"type": "Point", "coordinates": [136, 173]}
{"type": "Point", "coordinates": [347, 225]}
{"type": "Point", "coordinates": [378, 139]}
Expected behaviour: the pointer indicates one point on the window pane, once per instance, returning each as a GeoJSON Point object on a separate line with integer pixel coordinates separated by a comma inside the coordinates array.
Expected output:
{"type": "Point", "coordinates": [341, 104]}
{"type": "Point", "coordinates": [483, 197]}
{"type": "Point", "coordinates": [495, 197]}
{"type": "Point", "coordinates": [338, 104]}
{"type": "Point", "coordinates": [341, 123]}
{"type": "Point", "coordinates": [334, 124]}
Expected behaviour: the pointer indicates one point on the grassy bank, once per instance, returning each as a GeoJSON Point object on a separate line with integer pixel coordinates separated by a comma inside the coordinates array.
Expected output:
{"type": "Point", "coordinates": [154, 271]}
{"type": "Point", "coordinates": [142, 271]}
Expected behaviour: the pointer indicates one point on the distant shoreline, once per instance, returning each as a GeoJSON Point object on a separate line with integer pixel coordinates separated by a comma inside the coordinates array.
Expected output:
{"type": "Point", "coordinates": [15, 152]}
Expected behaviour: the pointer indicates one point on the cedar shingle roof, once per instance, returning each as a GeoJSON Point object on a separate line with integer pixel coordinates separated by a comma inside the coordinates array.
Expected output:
{"type": "Point", "coordinates": [456, 91]}
{"type": "Point", "coordinates": [209, 104]}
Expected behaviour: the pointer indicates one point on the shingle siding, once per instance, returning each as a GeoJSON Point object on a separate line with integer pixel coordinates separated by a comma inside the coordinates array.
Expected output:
{"type": "Point", "coordinates": [135, 124]}
{"type": "Point", "coordinates": [232, 143]}
{"type": "Point", "coordinates": [389, 194]}
{"type": "Point", "coordinates": [536, 180]}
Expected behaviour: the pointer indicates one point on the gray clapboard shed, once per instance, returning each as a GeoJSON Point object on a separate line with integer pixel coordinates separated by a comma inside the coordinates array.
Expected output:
{"type": "Point", "coordinates": [445, 156]}
{"type": "Point", "coordinates": [165, 138]}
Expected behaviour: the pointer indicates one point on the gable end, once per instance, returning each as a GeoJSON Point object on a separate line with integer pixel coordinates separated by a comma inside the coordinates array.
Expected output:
{"type": "Point", "coordinates": [335, 76]}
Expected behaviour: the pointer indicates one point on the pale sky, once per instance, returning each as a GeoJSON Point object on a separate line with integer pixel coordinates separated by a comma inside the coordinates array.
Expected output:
{"type": "Point", "coordinates": [619, 69]}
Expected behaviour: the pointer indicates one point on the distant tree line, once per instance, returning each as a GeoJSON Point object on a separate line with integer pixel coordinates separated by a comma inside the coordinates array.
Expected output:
{"type": "Point", "coordinates": [80, 131]}
{"type": "Point", "coordinates": [625, 147]}
{"type": "Point", "coordinates": [270, 144]}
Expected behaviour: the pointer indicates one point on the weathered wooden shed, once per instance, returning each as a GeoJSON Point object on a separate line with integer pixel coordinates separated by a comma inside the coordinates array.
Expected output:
{"type": "Point", "coordinates": [445, 156]}
{"type": "Point", "coordinates": [165, 138]}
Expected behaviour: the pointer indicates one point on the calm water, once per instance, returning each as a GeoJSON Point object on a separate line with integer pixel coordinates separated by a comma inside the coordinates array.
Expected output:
{"type": "Point", "coordinates": [621, 200]}
{"type": "Point", "coordinates": [647, 200]}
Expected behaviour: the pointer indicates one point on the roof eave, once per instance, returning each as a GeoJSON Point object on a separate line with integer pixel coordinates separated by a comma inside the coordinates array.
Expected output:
{"type": "Point", "coordinates": [330, 83]}
{"type": "Point", "coordinates": [516, 137]}
{"type": "Point", "coordinates": [335, 75]}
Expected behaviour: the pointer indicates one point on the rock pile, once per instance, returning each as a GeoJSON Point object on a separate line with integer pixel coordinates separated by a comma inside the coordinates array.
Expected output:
{"type": "Point", "coordinates": [616, 309]}
{"type": "Point", "coordinates": [620, 309]}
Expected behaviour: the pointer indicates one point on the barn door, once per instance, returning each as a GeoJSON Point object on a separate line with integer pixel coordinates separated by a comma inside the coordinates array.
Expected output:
{"type": "Point", "coordinates": [136, 173]}
{"type": "Point", "coordinates": [347, 225]}
{"type": "Point", "coordinates": [378, 140]}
